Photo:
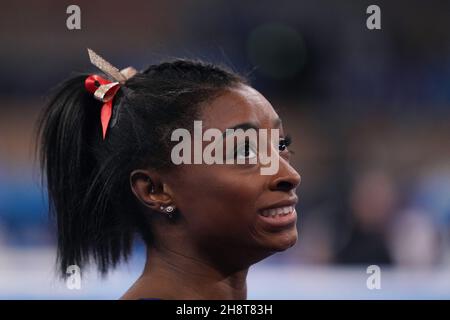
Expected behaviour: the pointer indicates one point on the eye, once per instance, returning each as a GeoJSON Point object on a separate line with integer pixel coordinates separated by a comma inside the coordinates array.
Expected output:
{"type": "Point", "coordinates": [245, 151]}
{"type": "Point", "coordinates": [284, 143]}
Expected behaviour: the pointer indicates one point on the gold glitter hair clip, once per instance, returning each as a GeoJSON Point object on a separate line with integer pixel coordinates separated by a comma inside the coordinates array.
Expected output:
{"type": "Point", "coordinates": [113, 72]}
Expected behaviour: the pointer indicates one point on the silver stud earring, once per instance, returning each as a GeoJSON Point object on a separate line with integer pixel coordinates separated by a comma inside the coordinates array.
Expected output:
{"type": "Point", "coordinates": [168, 210]}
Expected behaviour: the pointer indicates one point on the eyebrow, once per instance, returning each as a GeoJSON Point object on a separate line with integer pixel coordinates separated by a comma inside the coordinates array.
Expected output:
{"type": "Point", "coordinates": [277, 122]}
{"type": "Point", "coordinates": [251, 125]}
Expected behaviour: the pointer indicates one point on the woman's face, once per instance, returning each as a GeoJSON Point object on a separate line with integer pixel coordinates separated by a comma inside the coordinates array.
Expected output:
{"type": "Point", "coordinates": [222, 205]}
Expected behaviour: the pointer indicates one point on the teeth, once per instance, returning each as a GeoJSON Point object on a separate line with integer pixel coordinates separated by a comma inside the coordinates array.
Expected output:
{"type": "Point", "coordinates": [277, 211]}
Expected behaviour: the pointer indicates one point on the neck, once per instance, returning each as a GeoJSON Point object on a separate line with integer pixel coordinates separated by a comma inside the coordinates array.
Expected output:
{"type": "Point", "coordinates": [169, 274]}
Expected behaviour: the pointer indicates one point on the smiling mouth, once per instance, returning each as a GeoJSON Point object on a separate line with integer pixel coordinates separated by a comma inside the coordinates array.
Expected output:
{"type": "Point", "coordinates": [277, 212]}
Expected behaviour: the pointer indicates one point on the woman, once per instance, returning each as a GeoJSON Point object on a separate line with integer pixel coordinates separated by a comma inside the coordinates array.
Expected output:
{"type": "Point", "coordinates": [111, 176]}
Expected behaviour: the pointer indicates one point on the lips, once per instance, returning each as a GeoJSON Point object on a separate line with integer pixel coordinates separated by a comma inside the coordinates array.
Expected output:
{"type": "Point", "coordinates": [279, 215]}
{"type": "Point", "coordinates": [290, 202]}
{"type": "Point", "coordinates": [277, 211]}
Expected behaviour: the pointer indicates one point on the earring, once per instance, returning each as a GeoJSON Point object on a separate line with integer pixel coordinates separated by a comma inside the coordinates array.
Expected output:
{"type": "Point", "coordinates": [168, 210]}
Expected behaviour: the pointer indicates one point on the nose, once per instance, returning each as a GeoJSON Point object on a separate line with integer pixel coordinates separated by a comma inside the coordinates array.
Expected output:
{"type": "Point", "coordinates": [287, 178]}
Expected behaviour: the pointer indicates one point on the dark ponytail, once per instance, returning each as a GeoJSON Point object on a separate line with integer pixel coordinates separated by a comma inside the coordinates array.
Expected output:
{"type": "Point", "coordinates": [87, 178]}
{"type": "Point", "coordinates": [69, 136]}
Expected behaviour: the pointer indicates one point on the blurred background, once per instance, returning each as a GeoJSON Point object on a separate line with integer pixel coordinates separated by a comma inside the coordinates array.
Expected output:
{"type": "Point", "coordinates": [368, 110]}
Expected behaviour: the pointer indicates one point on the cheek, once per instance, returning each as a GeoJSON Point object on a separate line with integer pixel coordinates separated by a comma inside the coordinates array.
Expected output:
{"type": "Point", "coordinates": [219, 201]}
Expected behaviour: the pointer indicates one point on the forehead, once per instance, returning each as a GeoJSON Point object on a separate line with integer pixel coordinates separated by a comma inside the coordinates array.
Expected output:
{"type": "Point", "coordinates": [238, 105]}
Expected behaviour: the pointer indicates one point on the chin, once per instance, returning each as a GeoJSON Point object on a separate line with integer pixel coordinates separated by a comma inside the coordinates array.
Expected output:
{"type": "Point", "coordinates": [283, 240]}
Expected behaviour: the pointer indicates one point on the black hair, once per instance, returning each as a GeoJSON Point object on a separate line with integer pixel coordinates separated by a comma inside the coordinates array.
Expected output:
{"type": "Point", "coordinates": [87, 178]}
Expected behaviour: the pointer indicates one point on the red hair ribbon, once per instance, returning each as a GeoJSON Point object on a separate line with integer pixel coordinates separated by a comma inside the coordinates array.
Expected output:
{"type": "Point", "coordinates": [103, 90]}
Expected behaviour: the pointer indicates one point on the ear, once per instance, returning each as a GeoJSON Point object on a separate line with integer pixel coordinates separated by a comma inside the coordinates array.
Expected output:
{"type": "Point", "coordinates": [148, 187]}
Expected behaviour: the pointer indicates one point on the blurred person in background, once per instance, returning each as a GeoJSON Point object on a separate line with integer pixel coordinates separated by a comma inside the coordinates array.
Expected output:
{"type": "Point", "coordinates": [373, 201]}
{"type": "Point", "coordinates": [419, 237]}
